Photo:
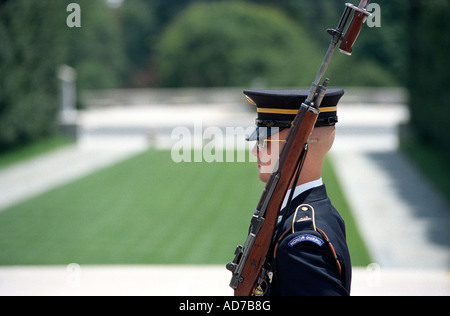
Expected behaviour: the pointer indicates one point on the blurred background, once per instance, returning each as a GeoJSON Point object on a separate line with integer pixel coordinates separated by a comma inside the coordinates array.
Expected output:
{"type": "Point", "coordinates": [86, 115]}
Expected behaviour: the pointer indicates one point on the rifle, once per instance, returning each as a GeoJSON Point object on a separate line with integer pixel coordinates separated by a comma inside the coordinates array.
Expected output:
{"type": "Point", "coordinates": [247, 265]}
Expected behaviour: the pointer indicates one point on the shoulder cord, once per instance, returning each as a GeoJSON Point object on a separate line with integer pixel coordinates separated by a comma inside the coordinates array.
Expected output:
{"type": "Point", "coordinates": [333, 252]}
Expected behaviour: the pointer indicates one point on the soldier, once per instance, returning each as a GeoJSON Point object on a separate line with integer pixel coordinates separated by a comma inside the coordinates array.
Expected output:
{"type": "Point", "coordinates": [309, 253]}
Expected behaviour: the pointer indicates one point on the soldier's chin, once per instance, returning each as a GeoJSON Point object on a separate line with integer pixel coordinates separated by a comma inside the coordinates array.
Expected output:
{"type": "Point", "coordinates": [264, 177]}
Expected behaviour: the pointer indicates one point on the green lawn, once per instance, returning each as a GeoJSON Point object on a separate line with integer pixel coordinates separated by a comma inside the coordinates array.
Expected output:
{"type": "Point", "coordinates": [145, 210]}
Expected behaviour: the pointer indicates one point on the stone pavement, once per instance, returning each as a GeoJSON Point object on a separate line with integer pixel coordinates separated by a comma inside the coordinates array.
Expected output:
{"type": "Point", "coordinates": [193, 281]}
{"type": "Point", "coordinates": [401, 218]}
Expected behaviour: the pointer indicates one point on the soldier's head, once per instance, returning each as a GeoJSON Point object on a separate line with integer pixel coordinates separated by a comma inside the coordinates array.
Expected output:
{"type": "Point", "coordinates": [276, 110]}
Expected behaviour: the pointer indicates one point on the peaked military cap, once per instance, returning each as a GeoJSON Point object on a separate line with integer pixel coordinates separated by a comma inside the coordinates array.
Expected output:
{"type": "Point", "coordinates": [278, 108]}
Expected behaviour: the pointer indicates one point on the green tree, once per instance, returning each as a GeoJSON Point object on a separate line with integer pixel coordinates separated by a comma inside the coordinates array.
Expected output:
{"type": "Point", "coordinates": [235, 44]}
{"type": "Point", "coordinates": [428, 72]}
{"type": "Point", "coordinates": [34, 41]}
{"type": "Point", "coordinates": [29, 57]}
{"type": "Point", "coordinates": [138, 22]}
{"type": "Point", "coordinates": [380, 50]}
{"type": "Point", "coordinates": [96, 49]}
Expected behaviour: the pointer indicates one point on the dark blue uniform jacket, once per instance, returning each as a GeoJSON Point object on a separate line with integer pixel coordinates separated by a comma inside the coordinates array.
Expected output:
{"type": "Point", "coordinates": [304, 263]}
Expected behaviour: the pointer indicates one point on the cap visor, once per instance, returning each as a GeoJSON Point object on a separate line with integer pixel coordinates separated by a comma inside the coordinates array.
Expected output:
{"type": "Point", "coordinates": [263, 133]}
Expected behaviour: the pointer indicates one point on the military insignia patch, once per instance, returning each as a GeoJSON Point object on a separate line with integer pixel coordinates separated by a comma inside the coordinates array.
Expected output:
{"type": "Point", "coordinates": [303, 218]}
{"type": "Point", "coordinates": [306, 237]}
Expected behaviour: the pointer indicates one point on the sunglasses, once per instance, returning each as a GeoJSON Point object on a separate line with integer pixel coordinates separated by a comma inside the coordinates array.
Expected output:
{"type": "Point", "coordinates": [261, 142]}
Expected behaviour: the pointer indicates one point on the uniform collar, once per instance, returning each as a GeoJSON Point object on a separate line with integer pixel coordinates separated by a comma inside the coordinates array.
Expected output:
{"type": "Point", "coordinates": [300, 189]}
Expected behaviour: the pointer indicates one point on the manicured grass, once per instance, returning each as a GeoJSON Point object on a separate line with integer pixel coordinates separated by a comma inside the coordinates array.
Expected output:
{"type": "Point", "coordinates": [145, 210]}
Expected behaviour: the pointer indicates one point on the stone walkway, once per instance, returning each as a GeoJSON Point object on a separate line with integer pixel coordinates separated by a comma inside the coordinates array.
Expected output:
{"type": "Point", "coordinates": [193, 281]}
